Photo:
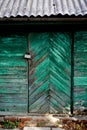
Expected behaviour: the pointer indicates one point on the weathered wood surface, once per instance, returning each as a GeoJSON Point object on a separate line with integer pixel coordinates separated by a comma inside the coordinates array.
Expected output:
{"type": "Point", "coordinates": [49, 74]}
{"type": "Point", "coordinates": [50, 71]}
{"type": "Point", "coordinates": [13, 74]}
{"type": "Point", "coordinates": [80, 70]}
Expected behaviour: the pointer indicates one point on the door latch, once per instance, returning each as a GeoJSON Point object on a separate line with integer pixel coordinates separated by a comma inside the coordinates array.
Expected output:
{"type": "Point", "coordinates": [27, 56]}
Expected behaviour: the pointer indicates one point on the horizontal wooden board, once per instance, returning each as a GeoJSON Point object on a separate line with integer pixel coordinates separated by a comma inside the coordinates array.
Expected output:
{"type": "Point", "coordinates": [80, 80]}
{"type": "Point", "coordinates": [80, 70]}
{"type": "Point", "coordinates": [13, 88]}
{"type": "Point", "coordinates": [13, 74]}
{"type": "Point", "coordinates": [21, 108]}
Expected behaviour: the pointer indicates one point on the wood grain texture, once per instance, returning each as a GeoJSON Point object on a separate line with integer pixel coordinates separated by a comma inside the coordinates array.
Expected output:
{"type": "Point", "coordinates": [50, 71]}
{"type": "Point", "coordinates": [13, 74]}
{"type": "Point", "coordinates": [80, 70]}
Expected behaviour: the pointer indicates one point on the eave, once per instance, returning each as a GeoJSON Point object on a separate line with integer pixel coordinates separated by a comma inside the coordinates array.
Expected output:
{"type": "Point", "coordinates": [43, 23]}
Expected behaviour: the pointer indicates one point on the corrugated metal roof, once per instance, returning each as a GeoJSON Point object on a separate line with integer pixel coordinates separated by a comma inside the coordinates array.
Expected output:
{"type": "Point", "coordinates": [36, 8]}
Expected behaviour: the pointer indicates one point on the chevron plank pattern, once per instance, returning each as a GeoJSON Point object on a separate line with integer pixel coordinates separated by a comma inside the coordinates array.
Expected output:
{"type": "Point", "coordinates": [49, 83]}
{"type": "Point", "coordinates": [60, 72]}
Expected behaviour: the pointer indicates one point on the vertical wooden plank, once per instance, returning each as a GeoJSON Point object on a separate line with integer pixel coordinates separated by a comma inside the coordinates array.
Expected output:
{"type": "Point", "coordinates": [13, 74]}
{"type": "Point", "coordinates": [80, 71]}
{"type": "Point", "coordinates": [72, 75]}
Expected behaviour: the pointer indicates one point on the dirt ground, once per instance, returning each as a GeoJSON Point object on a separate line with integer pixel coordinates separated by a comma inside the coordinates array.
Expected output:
{"type": "Point", "coordinates": [66, 122]}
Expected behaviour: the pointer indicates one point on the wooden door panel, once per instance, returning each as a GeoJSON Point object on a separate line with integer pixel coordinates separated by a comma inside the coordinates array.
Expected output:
{"type": "Point", "coordinates": [50, 72]}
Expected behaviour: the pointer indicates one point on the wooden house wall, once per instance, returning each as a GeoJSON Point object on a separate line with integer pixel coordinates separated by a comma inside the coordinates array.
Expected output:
{"type": "Point", "coordinates": [80, 70]}
{"type": "Point", "coordinates": [47, 86]}
{"type": "Point", "coordinates": [13, 74]}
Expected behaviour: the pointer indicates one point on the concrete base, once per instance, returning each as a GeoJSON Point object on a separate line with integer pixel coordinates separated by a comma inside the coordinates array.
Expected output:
{"type": "Point", "coordinates": [41, 128]}
{"type": "Point", "coordinates": [36, 128]}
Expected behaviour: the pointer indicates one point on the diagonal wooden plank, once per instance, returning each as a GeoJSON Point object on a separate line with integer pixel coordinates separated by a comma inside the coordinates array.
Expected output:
{"type": "Point", "coordinates": [60, 70]}
{"type": "Point", "coordinates": [38, 88]}
{"type": "Point", "coordinates": [50, 72]}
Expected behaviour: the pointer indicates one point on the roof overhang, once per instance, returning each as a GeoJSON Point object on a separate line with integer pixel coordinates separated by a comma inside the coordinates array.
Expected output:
{"type": "Point", "coordinates": [44, 19]}
{"type": "Point", "coordinates": [45, 23]}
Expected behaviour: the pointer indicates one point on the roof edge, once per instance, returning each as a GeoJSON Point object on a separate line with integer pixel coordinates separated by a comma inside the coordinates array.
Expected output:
{"type": "Point", "coordinates": [70, 19]}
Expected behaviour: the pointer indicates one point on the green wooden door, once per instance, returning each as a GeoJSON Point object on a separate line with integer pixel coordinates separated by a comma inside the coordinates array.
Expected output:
{"type": "Point", "coordinates": [46, 88]}
{"type": "Point", "coordinates": [13, 74]}
{"type": "Point", "coordinates": [50, 72]}
{"type": "Point", "coordinates": [80, 71]}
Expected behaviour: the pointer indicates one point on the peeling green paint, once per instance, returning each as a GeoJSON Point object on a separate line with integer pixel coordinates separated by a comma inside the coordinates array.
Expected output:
{"type": "Point", "coordinates": [13, 73]}
{"type": "Point", "coordinates": [51, 70]}
{"type": "Point", "coordinates": [80, 70]}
